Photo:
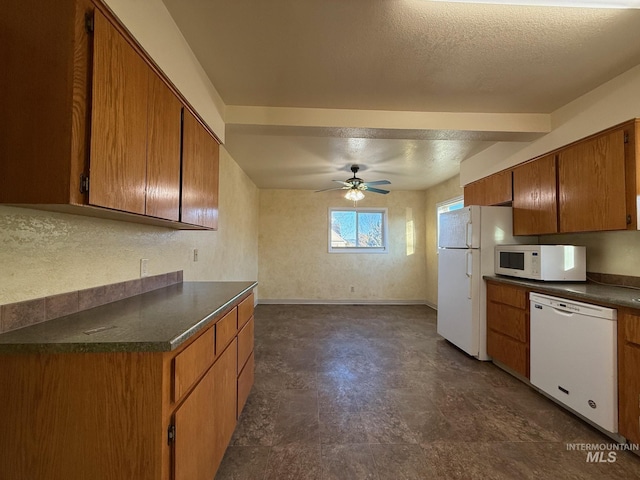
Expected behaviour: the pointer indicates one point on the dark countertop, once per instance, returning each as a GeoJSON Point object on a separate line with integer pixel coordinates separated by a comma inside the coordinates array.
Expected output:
{"type": "Point", "coordinates": [157, 321]}
{"type": "Point", "coordinates": [581, 291]}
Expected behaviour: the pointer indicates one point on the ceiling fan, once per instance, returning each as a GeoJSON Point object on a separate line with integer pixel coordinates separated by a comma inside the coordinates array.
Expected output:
{"type": "Point", "coordinates": [356, 186]}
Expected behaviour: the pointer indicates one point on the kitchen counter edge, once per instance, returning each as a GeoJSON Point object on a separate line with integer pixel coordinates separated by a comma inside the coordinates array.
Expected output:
{"type": "Point", "coordinates": [25, 340]}
{"type": "Point", "coordinates": [589, 292]}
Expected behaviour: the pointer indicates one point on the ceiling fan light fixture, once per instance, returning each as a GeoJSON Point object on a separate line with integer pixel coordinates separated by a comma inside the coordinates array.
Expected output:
{"type": "Point", "coordinates": [354, 195]}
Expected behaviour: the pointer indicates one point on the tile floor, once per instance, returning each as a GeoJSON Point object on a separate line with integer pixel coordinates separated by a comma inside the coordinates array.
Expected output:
{"type": "Point", "coordinates": [372, 392]}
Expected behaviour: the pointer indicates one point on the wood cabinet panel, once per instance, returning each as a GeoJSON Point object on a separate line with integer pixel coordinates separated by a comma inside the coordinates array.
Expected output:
{"type": "Point", "coordinates": [474, 193]}
{"type": "Point", "coordinates": [498, 188]}
{"type": "Point", "coordinates": [507, 320]}
{"type": "Point", "coordinates": [628, 374]}
{"type": "Point", "coordinates": [163, 151]}
{"type": "Point", "coordinates": [495, 189]}
{"type": "Point", "coordinates": [196, 430]}
{"type": "Point", "coordinates": [38, 160]}
{"type": "Point", "coordinates": [118, 121]}
{"type": "Point", "coordinates": [245, 382]}
{"type": "Point", "coordinates": [535, 206]}
{"type": "Point", "coordinates": [632, 328]}
{"type": "Point", "coordinates": [507, 294]}
{"type": "Point", "coordinates": [226, 329]}
{"type": "Point", "coordinates": [200, 158]}
{"type": "Point", "coordinates": [591, 184]}
{"type": "Point", "coordinates": [225, 397]}
{"type": "Point", "coordinates": [192, 362]}
{"type": "Point", "coordinates": [245, 344]}
{"type": "Point", "coordinates": [509, 352]}
{"type": "Point", "coordinates": [508, 326]}
{"type": "Point", "coordinates": [245, 310]}
{"type": "Point", "coordinates": [70, 416]}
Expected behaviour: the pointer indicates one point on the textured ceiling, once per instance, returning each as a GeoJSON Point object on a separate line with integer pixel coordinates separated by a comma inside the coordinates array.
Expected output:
{"type": "Point", "coordinates": [397, 55]}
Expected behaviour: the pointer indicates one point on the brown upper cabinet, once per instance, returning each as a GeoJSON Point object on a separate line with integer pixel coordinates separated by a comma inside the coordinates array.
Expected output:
{"type": "Point", "coordinates": [535, 204]}
{"type": "Point", "coordinates": [96, 128]}
{"type": "Point", "coordinates": [200, 159]}
{"type": "Point", "coordinates": [495, 189]}
{"type": "Point", "coordinates": [590, 185]}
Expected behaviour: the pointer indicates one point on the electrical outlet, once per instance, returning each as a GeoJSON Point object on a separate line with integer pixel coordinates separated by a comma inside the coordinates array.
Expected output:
{"type": "Point", "coordinates": [353, 289]}
{"type": "Point", "coordinates": [195, 254]}
{"type": "Point", "coordinates": [144, 267]}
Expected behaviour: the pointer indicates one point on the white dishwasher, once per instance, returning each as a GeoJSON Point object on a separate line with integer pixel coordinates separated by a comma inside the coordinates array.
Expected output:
{"type": "Point", "coordinates": [573, 356]}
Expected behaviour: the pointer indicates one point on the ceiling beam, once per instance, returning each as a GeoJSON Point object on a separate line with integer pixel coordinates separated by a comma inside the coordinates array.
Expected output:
{"type": "Point", "coordinates": [539, 123]}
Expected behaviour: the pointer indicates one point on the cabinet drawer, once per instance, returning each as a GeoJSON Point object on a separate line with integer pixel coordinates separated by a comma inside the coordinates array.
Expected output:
{"type": "Point", "coordinates": [226, 330]}
{"type": "Point", "coordinates": [245, 344]}
{"type": "Point", "coordinates": [507, 294]}
{"type": "Point", "coordinates": [507, 320]}
{"type": "Point", "coordinates": [245, 382]}
{"type": "Point", "coordinates": [632, 328]}
{"type": "Point", "coordinates": [191, 363]}
{"type": "Point", "coordinates": [509, 352]}
{"type": "Point", "coordinates": [245, 310]}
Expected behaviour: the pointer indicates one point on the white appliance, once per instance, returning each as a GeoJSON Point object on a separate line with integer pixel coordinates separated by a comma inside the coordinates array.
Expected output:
{"type": "Point", "coordinates": [466, 242]}
{"type": "Point", "coordinates": [542, 262]}
{"type": "Point", "coordinates": [573, 356]}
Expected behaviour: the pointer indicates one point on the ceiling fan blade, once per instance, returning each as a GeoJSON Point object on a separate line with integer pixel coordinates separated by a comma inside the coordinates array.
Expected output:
{"type": "Point", "coordinates": [377, 190]}
{"type": "Point", "coordinates": [378, 182]}
{"type": "Point", "coordinates": [334, 188]}
{"type": "Point", "coordinates": [346, 184]}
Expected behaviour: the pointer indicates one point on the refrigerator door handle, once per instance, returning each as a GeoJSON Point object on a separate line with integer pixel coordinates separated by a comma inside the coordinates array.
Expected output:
{"type": "Point", "coordinates": [469, 265]}
{"type": "Point", "coordinates": [467, 230]}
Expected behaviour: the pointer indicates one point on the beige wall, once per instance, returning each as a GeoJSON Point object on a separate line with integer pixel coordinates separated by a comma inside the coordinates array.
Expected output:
{"type": "Point", "coordinates": [44, 253]}
{"type": "Point", "coordinates": [607, 252]}
{"type": "Point", "coordinates": [436, 194]}
{"type": "Point", "coordinates": [294, 263]}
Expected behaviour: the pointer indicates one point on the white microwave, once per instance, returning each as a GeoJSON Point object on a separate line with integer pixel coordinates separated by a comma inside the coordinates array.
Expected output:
{"type": "Point", "coordinates": [551, 263]}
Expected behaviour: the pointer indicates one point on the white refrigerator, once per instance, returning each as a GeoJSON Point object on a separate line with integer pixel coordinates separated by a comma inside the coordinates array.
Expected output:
{"type": "Point", "coordinates": [466, 242]}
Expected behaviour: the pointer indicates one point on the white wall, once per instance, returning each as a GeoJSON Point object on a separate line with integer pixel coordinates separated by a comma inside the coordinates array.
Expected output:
{"type": "Point", "coordinates": [43, 253]}
{"type": "Point", "coordinates": [295, 266]}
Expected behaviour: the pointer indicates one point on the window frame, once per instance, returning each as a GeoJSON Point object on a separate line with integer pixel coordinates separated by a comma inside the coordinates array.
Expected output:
{"type": "Point", "coordinates": [372, 250]}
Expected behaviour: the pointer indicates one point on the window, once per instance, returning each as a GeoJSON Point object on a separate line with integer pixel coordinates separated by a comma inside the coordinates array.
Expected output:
{"type": "Point", "coordinates": [451, 204]}
{"type": "Point", "coordinates": [358, 230]}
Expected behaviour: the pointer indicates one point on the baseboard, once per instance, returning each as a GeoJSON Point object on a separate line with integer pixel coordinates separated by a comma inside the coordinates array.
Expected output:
{"type": "Point", "coordinates": [302, 301]}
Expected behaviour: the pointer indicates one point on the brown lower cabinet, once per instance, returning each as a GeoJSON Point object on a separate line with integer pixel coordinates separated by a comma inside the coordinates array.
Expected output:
{"type": "Point", "coordinates": [629, 374]}
{"type": "Point", "coordinates": [508, 326]}
{"type": "Point", "coordinates": [126, 415]}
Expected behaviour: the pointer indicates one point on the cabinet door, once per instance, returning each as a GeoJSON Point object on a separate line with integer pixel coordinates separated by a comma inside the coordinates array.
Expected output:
{"type": "Point", "coordinates": [196, 432]}
{"type": "Point", "coordinates": [225, 400]}
{"type": "Point", "coordinates": [629, 377]}
{"type": "Point", "coordinates": [474, 193]}
{"type": "Point", "coordinates": [495, 189]}
{"type": "Point", "coordinates": [591, 185]}
{"type": "Point", "coordinates": [508, 326]}
{"type": "Point", "coordinates": [498, 188]}
{"type": "Point", "coordinates": [163, 151]}
{"type": "Point", "coordinates": [118, 121]}
{"type": "Point", "coordinates": [199, 174]}
{"type": "Point", "coordinates": [535, 207]}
